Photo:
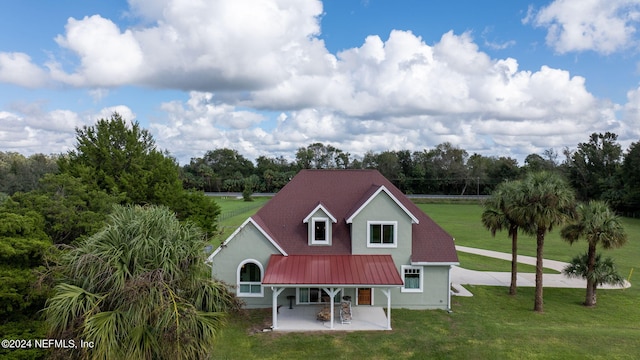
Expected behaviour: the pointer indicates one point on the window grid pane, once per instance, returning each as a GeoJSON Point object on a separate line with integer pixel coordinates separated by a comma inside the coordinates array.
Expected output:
{"type": "Point", "coordinates": [376, 237]}
{"type": "Point", "coordinates": [320, 231]}
{"type": "Point", "coordinates": [387, 234]}
{"type": "Point", "coordinates": [315, 295]}
{"type": "Point", "coordinates": [250, 272]}
{"type": "Point", "coordinates": [412, 278]}
{"type": "Point", "coordinates": [304, 295]}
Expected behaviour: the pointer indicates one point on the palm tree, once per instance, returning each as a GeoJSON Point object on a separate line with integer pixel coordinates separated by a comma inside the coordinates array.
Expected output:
{"type": "Point", "coordinates": [138, 288]}
{"type": "Point", "coordinates": [498, 215]}
{"type": "Point", "coordinates": [597, 224]}
{"type": "Point", "coordinates": [604, 272]}
{"type": "Point", "coordinates": [547, 201]}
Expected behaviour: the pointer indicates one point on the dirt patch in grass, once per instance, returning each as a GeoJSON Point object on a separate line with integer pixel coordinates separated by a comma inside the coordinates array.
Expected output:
{"type": "Point", "coordinates": [257, 320]}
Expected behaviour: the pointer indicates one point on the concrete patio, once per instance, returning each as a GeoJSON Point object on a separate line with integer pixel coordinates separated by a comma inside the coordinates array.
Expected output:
{"type": "Point", "coordinates": [303, 318]}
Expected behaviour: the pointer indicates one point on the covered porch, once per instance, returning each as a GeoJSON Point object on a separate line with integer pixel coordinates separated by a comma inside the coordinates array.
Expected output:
{"type": "Point", "coordinates": [303, 318]}
{"type": "Point", "coordinates": [332, 274]}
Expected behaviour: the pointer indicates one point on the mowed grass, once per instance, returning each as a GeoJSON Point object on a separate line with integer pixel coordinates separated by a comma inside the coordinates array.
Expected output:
{"type": "Point", "coordinates": [233, 212]}
{"type": "Point", "coordinates": [483, 263]}
{"type": "Point", "coordinates": [489, 325]}
{"type": "Point", "coordinates": [463, 223]}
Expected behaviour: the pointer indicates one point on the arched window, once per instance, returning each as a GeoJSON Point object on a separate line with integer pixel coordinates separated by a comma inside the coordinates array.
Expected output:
{"type": "Point", "coordinates": [250, 279]}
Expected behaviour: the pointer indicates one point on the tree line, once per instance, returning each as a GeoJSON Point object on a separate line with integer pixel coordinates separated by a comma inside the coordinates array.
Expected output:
{"type": "Point", "coordinates": [598, 169]}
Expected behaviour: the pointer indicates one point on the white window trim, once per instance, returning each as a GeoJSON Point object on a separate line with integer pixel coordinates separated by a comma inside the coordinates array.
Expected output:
{"type": "Point", "coordinates": [241, 294]}
{"type": "Point", "coordinates": [395, 234]}
{"type": "Point", "coordinates": [327, 227]}
{"type": "Point", "coordinates": [419, 268]}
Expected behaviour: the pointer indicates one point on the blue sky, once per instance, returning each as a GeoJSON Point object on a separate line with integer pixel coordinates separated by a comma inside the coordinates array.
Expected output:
{"type": "Point", "coordinates": [498, 78]}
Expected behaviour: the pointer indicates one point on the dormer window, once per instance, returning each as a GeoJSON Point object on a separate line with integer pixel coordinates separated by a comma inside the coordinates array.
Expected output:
{"type": "Point", "coordinates": [319, 223]}
{"type": "Point", "coordinates": [320, 231]}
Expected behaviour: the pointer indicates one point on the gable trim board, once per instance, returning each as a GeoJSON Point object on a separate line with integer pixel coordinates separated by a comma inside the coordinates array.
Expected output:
{"type": "Point", "coordinates": [372, 196]}
{"type": "Point", "coordinates": [233, 235]}
{"type": "Point", "coordinates": [422, 263]}
{"type": "Point", "coordinates": [324, 209]}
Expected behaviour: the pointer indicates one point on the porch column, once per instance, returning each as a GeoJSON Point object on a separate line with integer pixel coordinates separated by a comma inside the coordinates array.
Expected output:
{"type": "Point", "coordinates": [332, 293]}
{"type": "Point", "coordinates": [387, 293]}
{"type": "Point", "coordinates": [274, 311]}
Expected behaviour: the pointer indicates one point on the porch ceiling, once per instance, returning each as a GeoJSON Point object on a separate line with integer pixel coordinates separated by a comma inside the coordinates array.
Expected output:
{"type": "Point", "coordinates": [336, 270]}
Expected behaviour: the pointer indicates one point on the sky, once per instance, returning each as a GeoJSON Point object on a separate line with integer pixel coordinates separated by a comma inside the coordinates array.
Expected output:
{"type": "Point", "coordinates": [266, 77]}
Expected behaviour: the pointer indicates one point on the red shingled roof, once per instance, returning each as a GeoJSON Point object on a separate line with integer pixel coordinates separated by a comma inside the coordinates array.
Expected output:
{"type": "Point", "coordinates": [341, 192]}
{"type": "Point", "coordinates": [370, 270]}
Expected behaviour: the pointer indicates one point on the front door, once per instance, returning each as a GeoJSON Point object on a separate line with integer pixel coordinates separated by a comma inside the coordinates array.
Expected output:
{"type": "Point", "coordinates": [364, 296]}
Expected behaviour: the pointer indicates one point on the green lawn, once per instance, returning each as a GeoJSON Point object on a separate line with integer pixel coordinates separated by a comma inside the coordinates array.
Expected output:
{"type": "Point", "coordinates": [233, 213]}
{"type": "Point", "coordinates": [463, 223]}
{"type": "Point", "coordinates": [483, 263]}
{"type": "Point", "coordinates": [489, 325]}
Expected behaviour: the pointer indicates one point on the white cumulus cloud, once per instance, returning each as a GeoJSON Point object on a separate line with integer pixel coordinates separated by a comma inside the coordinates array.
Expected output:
{"type": "Point", "coordinates": [108, 56]}
{"type": "Point", "coordinates": [17, 68]}
{"type": "Point", "coordinates": [603, 26]}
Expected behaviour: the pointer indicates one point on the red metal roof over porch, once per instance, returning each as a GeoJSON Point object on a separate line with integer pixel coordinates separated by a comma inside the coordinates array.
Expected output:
{"type": "Point", "coordinates": [373, 270]}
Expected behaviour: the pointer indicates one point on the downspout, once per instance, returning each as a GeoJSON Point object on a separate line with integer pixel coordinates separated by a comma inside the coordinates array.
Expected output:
{"type": "Point", "coordinates": [449, 289]}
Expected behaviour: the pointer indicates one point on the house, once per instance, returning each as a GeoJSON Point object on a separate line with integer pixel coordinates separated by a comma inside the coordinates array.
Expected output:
{"type": "Point", "coordinates": [330, 234]}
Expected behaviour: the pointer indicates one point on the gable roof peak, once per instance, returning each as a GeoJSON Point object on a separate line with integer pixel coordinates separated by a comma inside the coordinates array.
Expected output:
{"type": "Point", "coordinates": [371, 194]}
{"type": "Point", "coordinates": [260, 228]}
{"type": "Point", "coordinates": [320, 206]}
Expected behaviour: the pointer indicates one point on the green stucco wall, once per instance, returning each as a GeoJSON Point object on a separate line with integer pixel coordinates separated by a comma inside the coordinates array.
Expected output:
{"type": "Point", "coordinates": [248, 243]}
{"type": "Point", "coordinates": [435, 294]}
{"type": "Point", "coordinates": [436, 288]}
{"type": "Point", "coordinates": [382, 208]}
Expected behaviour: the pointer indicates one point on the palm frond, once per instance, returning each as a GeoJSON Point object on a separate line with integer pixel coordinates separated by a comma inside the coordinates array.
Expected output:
{"type": "Point", "coordinates": [107, 328]}
{"type": "Point", "coordinates": [605, 271]}
{"type": "Point", "coordinates": [140, 289]}
{"type": "Point", "coordinates": [597, 224]}
{"type": "Point", "coordinates": [69, 304]}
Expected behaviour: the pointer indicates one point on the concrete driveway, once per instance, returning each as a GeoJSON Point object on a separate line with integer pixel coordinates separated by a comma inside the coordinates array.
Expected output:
{"type": "Point", "coordinates": [461, 276]}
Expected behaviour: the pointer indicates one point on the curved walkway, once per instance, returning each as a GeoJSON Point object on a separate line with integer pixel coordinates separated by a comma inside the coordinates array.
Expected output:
{"type": "Point", "coordinates": [461, 276]}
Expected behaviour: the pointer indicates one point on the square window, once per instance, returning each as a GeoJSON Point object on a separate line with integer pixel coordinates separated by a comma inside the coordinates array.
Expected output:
{"type": "Point", "coordinates": [382, 234]}
{"type": "Point", "coordinates": [412, 276]}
